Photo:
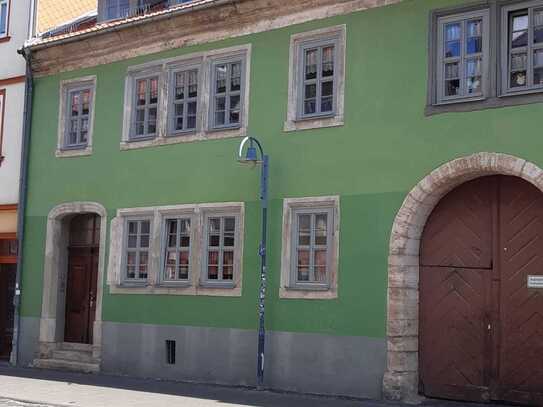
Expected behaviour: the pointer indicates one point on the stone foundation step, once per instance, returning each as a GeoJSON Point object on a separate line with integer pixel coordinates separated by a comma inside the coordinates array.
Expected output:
{"type": "Point", "coordinates": [74, 356]}
{"type": "Point", "coordinates": [75, 346]}
{"type": "Point", "coordinates": [58, 364]}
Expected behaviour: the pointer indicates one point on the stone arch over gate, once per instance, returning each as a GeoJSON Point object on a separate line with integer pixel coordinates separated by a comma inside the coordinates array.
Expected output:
{"type": "Point", "coordinates": [55, 270]}
{"type": "Point", "coordinates": [401, 377]}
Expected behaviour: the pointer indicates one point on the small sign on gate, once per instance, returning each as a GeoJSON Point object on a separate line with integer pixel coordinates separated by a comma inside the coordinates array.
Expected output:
{"type": "Point", "coordinates": [535, 282]}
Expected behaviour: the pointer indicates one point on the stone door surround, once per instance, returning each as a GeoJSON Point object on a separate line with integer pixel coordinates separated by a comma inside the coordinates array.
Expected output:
{"type": "Point", "coordinates": [400, 381]}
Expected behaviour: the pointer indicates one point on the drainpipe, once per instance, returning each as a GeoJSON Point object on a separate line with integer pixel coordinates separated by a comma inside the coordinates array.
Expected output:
{"type": "Point", "coordinates": [22, 201]}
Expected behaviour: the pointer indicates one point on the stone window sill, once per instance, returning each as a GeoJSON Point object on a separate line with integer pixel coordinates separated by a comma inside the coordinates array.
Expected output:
{"type": "Point", "coordinates": [313, 123]}
{"type": "Point", "coordinates": [80, 152]}
{"type": "Point", "coordinates": [188, 290]}
{"type": "Point", "coordinates": [307, 294]}
{"type": "Point", "coordinates": [184, 138]}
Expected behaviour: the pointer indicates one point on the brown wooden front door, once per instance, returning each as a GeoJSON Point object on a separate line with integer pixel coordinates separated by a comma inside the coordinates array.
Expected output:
{"type": "Point", "coordinates": [7, 290]}
{"type": "Point", "coordinates": [82, 279]}
{"type": "Point", "coordinates": [481, 326]}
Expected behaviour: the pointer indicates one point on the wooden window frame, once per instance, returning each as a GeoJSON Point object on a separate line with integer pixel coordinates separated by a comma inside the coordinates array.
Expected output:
{"type": "Point", "coordinates": [133, 136]}
{"type": "Point", "coordinates": [506, 51]}
{"type": "Point", "coordinates": [125, 280]}
{"type": "Point", "coordinates": [66, 88]}
{"type": "Point", "coordinates": [290, 287]}
{"type": "Point", "coordinates": [296, 119]}
{"type": "Point", "coordinates": [441, 60]}
{"type": "Point", "coordinates": [70, 92]}
{"type": "Point", "coordinates": [317, 45]}
{"type": "Point", "coordinates": [10, 237]}
{"type": "Point", "coordinates": [163, 280]}
{"type": "Point", "coordinates": [228, 61]}
{"type": "Point", "coordinates": [204, 278]}
{"type": "Point", "coordinates": [172, 113]}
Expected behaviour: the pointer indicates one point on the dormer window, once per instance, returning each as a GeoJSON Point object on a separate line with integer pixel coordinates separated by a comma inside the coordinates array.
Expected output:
{"type": "Point", "coordinates": [115, 9]}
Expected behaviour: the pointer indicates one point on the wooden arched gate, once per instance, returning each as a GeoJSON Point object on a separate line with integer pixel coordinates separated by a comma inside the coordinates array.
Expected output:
{"type": "Point", "coordinates": [481, 313]}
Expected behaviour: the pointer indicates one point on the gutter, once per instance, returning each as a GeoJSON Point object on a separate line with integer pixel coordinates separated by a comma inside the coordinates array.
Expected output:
{"type": "Point", "coordinates": [23, 187]}
{"type": "Point", "coordinates": [136, 22]}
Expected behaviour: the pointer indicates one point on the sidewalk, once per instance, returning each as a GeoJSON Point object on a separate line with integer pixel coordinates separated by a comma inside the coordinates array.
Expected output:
{"type": "Point", "coordinates": [53, 388]}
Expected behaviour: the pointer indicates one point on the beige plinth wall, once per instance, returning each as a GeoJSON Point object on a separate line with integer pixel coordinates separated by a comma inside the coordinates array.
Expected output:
{"type": "Point", "coordinates": [55, 274]}
{"type": "Point", "coordinates": [401, 378]}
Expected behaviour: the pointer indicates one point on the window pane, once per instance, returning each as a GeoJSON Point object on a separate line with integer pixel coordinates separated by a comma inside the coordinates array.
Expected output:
{"type": "Point", "coordinates": [452, 40]}
{"type": "Point", "coordinates": [311, 64]}
{"type": "Point", "coordinates": [145, 226]}
{"type": "Point", "coordinates": [132, 227]}
{"type": "Point", "coordinates": [228, 258]}
{"type": "Point", "coordinates": [303, 265]}
{"type": "Point", "coordinates": [86, 102]}
{"type": "Point", "coordinates": [519, 30]}
{"type": "Point", "coordinates": [310, 91]}
{"type": "Point", "coordinates": [193, 84]}
{"type": "Point", "coordinates": [220, 84]}
{"type": "Point", "coordinates": [310, 106]}
{"type": "Point", "coordinates": [538, 76]}
{"type": "Point", "coordinates": [474, 40]}
{"type": "Point", "coordinates": [452, 88]}
{"type": "Point", "coordinates": [213, 265]}
{"type": "Point", "coordinates": [3, 17]}
{"type": "Point", "coordinates": [171, 259]}
{"type": "Point", "coordinates": [141, 87]}
{"type": "Point", "coordinates": [320, 274]}
{"type": "Point", "coordinates": [144, 258]}
{"type": "Point", "coordinates": [519, 63]}
{"type": "Point", "coordinates": [154, 91]}
{"type": "Point", "coordinates": [191, 108]}
{"type": "Point", "coordinates": [538, 57]}
{"type": "Point", "coordinates": [180, 85]}
{"type": "Point", "coordinates": [451, 71]}
{"type": "Point", "coordinates": [214, 225]}
{"type": "Point", "coordinates": [235, 84]}
{"type": "Point", "coordinates": [75, 104]}
{"type": "Point", "coordinates": [191, 122]}
{"type": "Point", "coordinates": [328, 61]}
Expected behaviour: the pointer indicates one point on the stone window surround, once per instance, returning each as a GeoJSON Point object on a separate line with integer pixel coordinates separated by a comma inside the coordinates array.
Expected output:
{"type": "Point", "coordinates": [155, 284]}
{"type": "Point", "coordinates": [400, 381]}
{"type": "Point", "coordinates": [55, 274]}
{"type": "Point", "coordinates": [497, 96]}
{"type": "Point", "coordinates": [286, 291]}
{"type": "Point", "coordinates": [165, 68]}
{"type": "Point", "coordinates": [65, 87]}
{"type": "Point", "coordinates": [293, 121]}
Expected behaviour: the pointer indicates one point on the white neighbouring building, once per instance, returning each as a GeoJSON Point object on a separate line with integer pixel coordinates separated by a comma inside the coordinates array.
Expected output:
{"type": "Point", "coordinates": [15, 29]}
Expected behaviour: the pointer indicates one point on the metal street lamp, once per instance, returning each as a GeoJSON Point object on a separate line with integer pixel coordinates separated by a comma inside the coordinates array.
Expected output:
{"type": "Point", "coordinates": [254, 149]}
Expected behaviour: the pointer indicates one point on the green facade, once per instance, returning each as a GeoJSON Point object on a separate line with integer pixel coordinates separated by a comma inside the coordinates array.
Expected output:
{"type": "Point", "coordinates": [385, 148]}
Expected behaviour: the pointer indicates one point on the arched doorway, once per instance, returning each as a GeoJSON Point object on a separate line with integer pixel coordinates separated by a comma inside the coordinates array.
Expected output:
{"type": "Point", "coordinates": [81, 287]}
{"type": "Point", "coordinates": [73, 276]}
{"type": "Point", "coordinates": [401, 379]}
{"type": "Point", "coordinates": [480, 322]}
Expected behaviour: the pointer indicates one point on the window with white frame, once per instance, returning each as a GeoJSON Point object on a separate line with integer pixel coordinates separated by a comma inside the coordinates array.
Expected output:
{"type": "Point", "coordinates": [184, 105]}
{"type": "Point", "coordinates": [183, 249]}
{"type": "Point", "coordinates": [227, 94]}
{"type": "Point", "coordinates": [311, 242]}
{"type": "Point", "coordinates": [136, 250]}
{"type": "Point", "coordinates": [318, 84]}
{"type": "Point", "coordinates": [177, 249]}
{"type": "Point", "coordinates": [220, 248]}
{"type": "Point", "coordinates": [522, 46]}
{"type": "Point", "coordinates": [78, 117]}
{"type": "Point", "coordinates": [462, 56]}
{"type": "Point", "coordinates": [310, 247]}
{"type": "Point", "coordinates": [4, 18]}
{"type": "Point", "coordinates": [316, 79]}
{"type": "Point", "coordinates": [145, 109]}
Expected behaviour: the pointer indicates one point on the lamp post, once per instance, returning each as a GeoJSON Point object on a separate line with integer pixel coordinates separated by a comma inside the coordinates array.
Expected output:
{"type": "Point", "coordinates": [251, 157]}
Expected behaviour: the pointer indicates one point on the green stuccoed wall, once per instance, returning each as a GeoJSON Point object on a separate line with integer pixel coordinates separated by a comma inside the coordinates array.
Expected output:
{"type": "Point", "coordinates": [386, 146]}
